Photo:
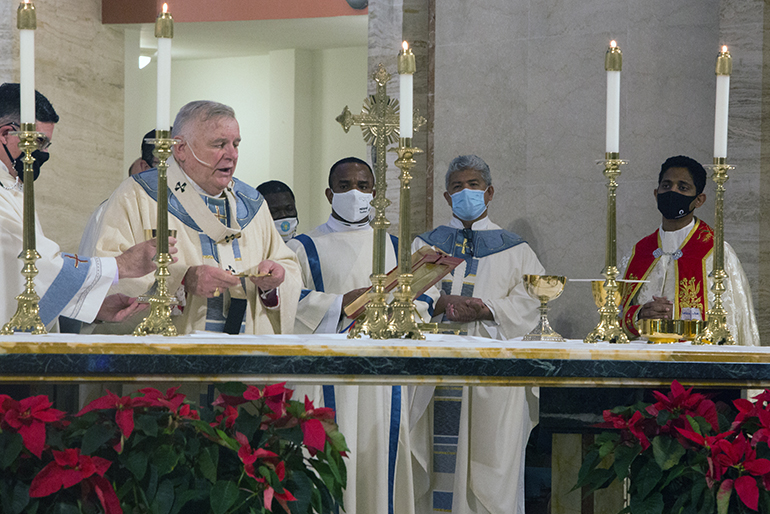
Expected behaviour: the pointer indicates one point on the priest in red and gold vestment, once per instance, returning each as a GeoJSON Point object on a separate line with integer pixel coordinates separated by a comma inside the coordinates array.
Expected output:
{"type": "Point", "coordinates": [676, 260]}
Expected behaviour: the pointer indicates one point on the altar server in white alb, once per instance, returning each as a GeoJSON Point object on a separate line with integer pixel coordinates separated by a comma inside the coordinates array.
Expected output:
{"type": "Point", "coordinates": [68, 284]}
{"type": "Point", "coordinates": [238, 275]}
{"type": "Point", "coordinates": [676, 261]}
{"type": "Point", "coordinates": [469, 442]}
{"type": "Point", "coordinates": [336, 260]}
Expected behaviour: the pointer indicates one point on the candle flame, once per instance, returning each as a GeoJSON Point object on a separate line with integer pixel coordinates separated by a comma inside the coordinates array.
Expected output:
{"type": "Point", "coordinates": [165, 8]}
{"type": "Point", "coordinates": [405, 46]}
{"type": "Point", "coordinates": [724, 49]}
{"type": "Point", "coordinates": [613, 44]}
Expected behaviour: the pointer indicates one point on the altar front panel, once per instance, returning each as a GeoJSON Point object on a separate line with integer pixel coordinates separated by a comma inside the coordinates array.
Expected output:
{"type": "Point", "coordinates": [335, 359]}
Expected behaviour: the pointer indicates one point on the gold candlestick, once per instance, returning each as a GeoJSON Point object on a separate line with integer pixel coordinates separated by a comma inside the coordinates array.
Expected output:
{"type": "Point", "coordinates": [379, 123]}
{"type": "Point", "coordinates": [609, 328]}
{"type": "Point", "coordinates": [716, 331]}
{"type": "Point", "coordinates": [27, 316]}
{"type": "Point", "coordinates": [159, 320]}
{"type": "Point", "coordinates": [402, 323]}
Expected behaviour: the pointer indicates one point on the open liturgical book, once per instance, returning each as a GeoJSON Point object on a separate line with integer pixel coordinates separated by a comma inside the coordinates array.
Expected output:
{"type": "Point", "coordinates": [429, 265]}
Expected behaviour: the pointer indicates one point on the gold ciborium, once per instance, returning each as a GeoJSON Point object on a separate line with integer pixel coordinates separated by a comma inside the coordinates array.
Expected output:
{"type": "Point", "coordinates": [544, 288]}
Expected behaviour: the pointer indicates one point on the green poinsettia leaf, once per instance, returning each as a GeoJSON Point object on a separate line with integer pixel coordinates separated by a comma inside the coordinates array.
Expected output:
{"type": "Point", "coordinates": [204, 427]}
{"type": "Point", "coordinates": [165, 458]}
{"type": "Point", "coordinates": [764, 501]}
{"type": "Point", "coordinates": [338, 441]}
{"type": "Point", "coordinates": [95, 437]}
{"type": "Point", "coordinates": [675, 473]}
{"type": "Point", "coordinates": [694, 425]}
{"type": "Point", "coordinates": [15, 497]}
{"type": "Point", "coordinates": [723, 496]}
{"type": "Point", "coordinates": [663, 417]}
{"type": "Point", "coordinates": [624, 456]}
{"type": "Point", "coordinates": [667, 452]}
{"type": "Point", "coordinates": [164, 498]}
{"type": "Point", "coordinates": [197, 494]}
{"type": "Point", "coordinates": [147, 424]}
{"type": "Point", "coordinates": [653, 504]}
{"type": "Point", "coordinates": [646, 480]}
{"type": "Point", "coordinates": [135, 462]}
{"type": "Point", "coordinates": [247, 423]}
{"type": "Point", "coordinates": [302, 489]}
{"type": "Point", "coordinates": [207, 462]}
{"type": "Point", "coordinates": [223, 496]}
{"type": "Point", "coordinates": [64, 508]}
{"type": "Point", "coordinates": [10, 448]}
{"type": "Point", "coordinates": [590, 461]}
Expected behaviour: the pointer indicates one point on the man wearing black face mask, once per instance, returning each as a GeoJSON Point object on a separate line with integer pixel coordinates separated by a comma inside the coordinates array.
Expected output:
{"type": "Point", "coordinates": [69, 285]}
{"type": "Point", "coordinates": [677, 259]}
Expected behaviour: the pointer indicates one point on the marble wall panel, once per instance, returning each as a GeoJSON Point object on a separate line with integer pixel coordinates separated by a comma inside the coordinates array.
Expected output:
{"type": "Point", "coordinates": [532, 105]}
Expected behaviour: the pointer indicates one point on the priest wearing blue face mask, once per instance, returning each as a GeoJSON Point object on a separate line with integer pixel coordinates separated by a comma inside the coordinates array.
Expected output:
{"type": "Point", "coordinates": [336, 262]}
{"type": "Point", "coordinates": [486, 293]}
{"type": "Point", "coordinates": [676, 261]}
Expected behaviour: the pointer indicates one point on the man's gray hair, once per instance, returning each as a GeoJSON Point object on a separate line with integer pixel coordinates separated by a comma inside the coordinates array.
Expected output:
{"type": "Point", "coordinates": [468, 162]}
{"type": "Point", "coordinates": [199, 111]}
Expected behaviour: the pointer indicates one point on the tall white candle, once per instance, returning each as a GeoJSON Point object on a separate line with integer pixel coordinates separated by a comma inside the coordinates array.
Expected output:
{"type": "Point", "coordinates": [27, 63]}
{"type": "Point", "coordinates": [723, 70]}
{"type": "Point", "coordinates": [163, 33]}
{"type": "Point", "coordinates": [406, 65]}
{"type": "Point", "coordinates": [613, 63]}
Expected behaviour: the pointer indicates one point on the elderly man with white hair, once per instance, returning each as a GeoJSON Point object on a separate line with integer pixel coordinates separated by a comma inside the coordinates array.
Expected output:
{"type": "Point", "coordinates": [237, 273]}
{"type": "Point", "coordinates": [469, 442]}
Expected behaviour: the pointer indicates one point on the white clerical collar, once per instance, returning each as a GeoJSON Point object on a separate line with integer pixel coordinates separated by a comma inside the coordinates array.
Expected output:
{"type": "Point", "coordinates": [336, 225]}
{"type": "Point", "coordinates": [10, 183]}
{"type": "Point", "coordinates": [482, 224]}
{"type": "Point", "coordinates": [671, 240]}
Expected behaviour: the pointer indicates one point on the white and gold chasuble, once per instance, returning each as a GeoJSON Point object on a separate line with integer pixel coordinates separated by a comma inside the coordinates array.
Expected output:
{"type": "Point", "coordinates": [249, 238]}
{"type": "Point", "coordinates": [469, 442]}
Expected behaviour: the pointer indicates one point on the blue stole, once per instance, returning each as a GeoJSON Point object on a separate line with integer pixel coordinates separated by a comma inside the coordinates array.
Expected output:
{"type": "Point", "coordinates": [248, 203]}
{"type": "Point", "coordinates": [65, 286]}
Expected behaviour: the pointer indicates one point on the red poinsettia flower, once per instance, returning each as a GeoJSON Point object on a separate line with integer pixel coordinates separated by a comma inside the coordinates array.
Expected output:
{"type": "Point", "coordinates": [187, 412]}
{"type": "Point", "coordinates": [70, 468]}
{"type": "Point", "coordinates": [249, 456]}
{"type": "Point", "coordinates": [681, 402]}
{"type": "Point", "coordinates": [29, 417]}
{"type": "Point", "coordinates": [739, 454]}
{"type": "Point", "coordinates": [172, 400]}
{"type": "Point", "coordinates": [124, 415]}
{"type": "Point", "coordinates": [275, 397]}
{"type": "Point", "coordinates": [229, 416]}
{"type": "Point", "coordinates": [313, 429]}
{"type": "Point", "coordinates": [635, 425]}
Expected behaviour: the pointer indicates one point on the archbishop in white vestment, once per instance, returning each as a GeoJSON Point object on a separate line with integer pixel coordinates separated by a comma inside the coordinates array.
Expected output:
{"type": "Point", "coordinates": [132, 209]}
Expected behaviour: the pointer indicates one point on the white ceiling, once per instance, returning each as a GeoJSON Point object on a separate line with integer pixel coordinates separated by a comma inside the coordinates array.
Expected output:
{"type": "Point", "coordinates": [205, 40]}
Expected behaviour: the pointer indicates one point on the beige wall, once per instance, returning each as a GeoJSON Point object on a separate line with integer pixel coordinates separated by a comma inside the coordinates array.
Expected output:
{"type": "Point", "coordinates": [79, 67]}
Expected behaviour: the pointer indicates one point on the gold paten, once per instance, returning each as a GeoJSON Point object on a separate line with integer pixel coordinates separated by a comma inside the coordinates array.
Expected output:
{"type": "Point", "coordinates": [544, 288]}
{"type": "Point", "coordinates": [609, 328]}
{"type": "Point", "coordinates": [26, 19]}
{"type": "Point", "coordinates": [27, 316]}
{"type": "Point", "coordinates": [379, 121]}
{"type": "Point", "coordinates": [716, 331]}
{"type": "Point", "coordinates": [402, 322]}
{"type": "Point", "coordinates": [159, 320]}
{"type": "Point", "coordinates": [669, 330]}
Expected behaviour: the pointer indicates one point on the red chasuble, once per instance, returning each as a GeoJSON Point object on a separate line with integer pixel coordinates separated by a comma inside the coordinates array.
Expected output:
{"type": "Point", "coordinates": [691, 276]}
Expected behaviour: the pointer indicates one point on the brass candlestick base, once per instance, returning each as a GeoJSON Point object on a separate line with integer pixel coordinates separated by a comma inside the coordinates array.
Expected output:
{"type": "Point", "coordinates": [27, 316]}
{"type": "Point", "coordinates": [159, 322]}
{"type": "Point", "coordinates": [544, 288]}
{"type": "Point", "coordinates": [609, 328]}
{"type": "Point", "coordinates": [403, 324]}
{"type": "Point", "coordinates": [375, 320]}
{"type": "Point", "coordinates": [716, 331]}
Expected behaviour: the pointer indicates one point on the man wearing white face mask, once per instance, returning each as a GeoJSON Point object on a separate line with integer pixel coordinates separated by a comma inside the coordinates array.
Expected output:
{"type": "Point", "coordinates": [478, 470]}
{"type": "Point", "coordinates": [336, 261]}
{"type": "Point", "coordinates": [283, 207]}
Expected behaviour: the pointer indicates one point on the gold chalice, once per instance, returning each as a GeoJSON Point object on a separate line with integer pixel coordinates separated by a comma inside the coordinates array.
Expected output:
{"type": "Point", "coordinates": [544, 288]}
